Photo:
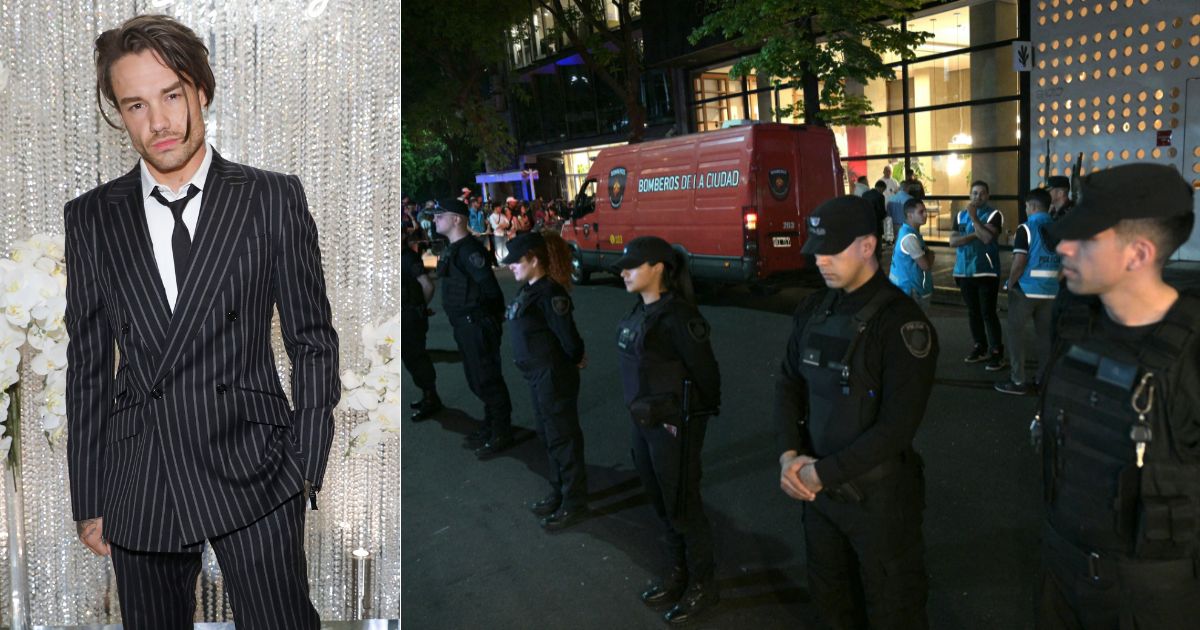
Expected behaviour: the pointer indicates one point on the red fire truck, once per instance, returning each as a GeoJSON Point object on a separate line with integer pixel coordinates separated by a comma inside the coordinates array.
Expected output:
{"type": "Point", "coordinates": [733, 201]}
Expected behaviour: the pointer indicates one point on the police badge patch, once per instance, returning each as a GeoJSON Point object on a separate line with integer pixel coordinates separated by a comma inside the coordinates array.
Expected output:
{"type": "Point", "coordinates": [477, 260]}
{"type": "Point", "coordinates": [561, 304]}
{"type": "Point", "coordinates": [698, 329]}
{"type": "Point", "coordinates": [616, 186]}
{"type": "Point", "coordinates": [917, 338]}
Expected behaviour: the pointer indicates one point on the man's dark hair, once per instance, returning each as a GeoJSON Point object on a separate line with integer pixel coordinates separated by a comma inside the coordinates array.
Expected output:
{"type": "Point", "coordinates": [911, 205]}
{"type": "Point", "coordinates": [1167, 234]}
{"type": "Point", "coordinates": [980, 182]}
{"type": "Point", "coordinates": [862, 179]}
{"type": "Point", "coordinates": [1039, 197]}
{"type": "Point", "coordinates": [913, 188]}
{"type": "Point", "coordinates": [881, 185]}
{"type": "Point", "coordinates": [175, 45]}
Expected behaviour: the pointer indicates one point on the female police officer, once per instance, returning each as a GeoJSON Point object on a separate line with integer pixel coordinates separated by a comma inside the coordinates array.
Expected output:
{"type": "Point", "coordinates": [549, 352]}
{"type": "Point", "coordinates": [672, 385]}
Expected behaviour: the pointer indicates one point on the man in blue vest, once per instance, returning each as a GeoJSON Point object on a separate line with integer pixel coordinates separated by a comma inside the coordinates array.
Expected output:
{"type": "Point", "coordinates": [912, 262]}
{"type": "Point", "coordinates": [1120, 413]}
{"type": "Point", "coordinates": [1032, 286]}
{"type": "Point", "coordinates": [977, 273]}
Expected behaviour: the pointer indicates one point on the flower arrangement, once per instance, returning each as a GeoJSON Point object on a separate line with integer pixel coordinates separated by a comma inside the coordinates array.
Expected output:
{"type": "Point", "coordinates": [377, 390]}
{"type": "Point", "coordinates": [33, 282]}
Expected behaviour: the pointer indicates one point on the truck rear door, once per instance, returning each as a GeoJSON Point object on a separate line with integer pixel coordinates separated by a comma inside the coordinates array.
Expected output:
{"type": "Point", "coordinates": [777, 193]}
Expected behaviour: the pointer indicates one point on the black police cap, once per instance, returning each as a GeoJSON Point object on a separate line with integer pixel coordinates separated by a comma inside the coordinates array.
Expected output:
{"type": "Point", "coordinates": [1130, 191]}
{"type": "Point", "coordinates": [1058, 181]}
{"type": "Point", "coordinates": [646, 250]}
{"type": "Point", "coordinates": [453, 206]}
{"type": "Point", "coordinates": [520, 245]}
{"type": "Point", "coordinates": [835, 224]}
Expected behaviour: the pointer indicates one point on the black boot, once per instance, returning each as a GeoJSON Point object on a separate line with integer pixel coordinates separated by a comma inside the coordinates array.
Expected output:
{"type": "Point", "coordinates": [494, 446]}
{"type": "Point", "coordinates": [698, 598]}
{"type": "Point", "coordinates": [477, 438]}
{"type": "Point", "coordinates": [546, 505]}
{"type": "Point", "coordinates": [427, 407]}
{"type": "Point", "coordinates": [667, 590]}
{"type": "Point", "coordinates": [565, 517]}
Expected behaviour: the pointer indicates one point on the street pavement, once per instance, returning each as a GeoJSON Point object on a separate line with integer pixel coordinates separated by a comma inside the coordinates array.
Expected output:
{"type": "Point", "coordinates": [474, 557]}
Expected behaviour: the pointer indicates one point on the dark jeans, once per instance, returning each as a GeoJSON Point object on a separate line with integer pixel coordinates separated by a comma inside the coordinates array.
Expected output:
{"type": "Point", "coordinates": [980, 293]}
{"type": "Point", "coordinates": [413, 354]}
{"type": "Point", "coordinates": [656, 454]}
{"type": "Point", "coordinates": [555, 393]}
{"type": "Point", "coordinates": [866, 561]}
{"type": "Point", "coordinates": [479, 344]}
{"type": "Point", "coordinates": [1021, 309]}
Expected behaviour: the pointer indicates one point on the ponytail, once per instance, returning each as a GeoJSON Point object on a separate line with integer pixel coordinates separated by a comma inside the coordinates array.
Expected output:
{"type": "Point", "coordinates": [678, 280]}
{"type": "Point", "coordinates": [556, 257]}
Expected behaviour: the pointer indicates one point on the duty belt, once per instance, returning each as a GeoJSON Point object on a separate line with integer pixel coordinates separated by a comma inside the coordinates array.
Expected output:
{"type": "Point", "coordinates": [1108, 566]}
{"type": "Point", "coordinates": [476, 317]}
{"type": "Point", "coordinates": [853, 491]}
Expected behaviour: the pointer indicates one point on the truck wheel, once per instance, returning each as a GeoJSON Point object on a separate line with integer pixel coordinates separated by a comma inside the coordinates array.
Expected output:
{"type": "Point", "coordinates": [579, 275]}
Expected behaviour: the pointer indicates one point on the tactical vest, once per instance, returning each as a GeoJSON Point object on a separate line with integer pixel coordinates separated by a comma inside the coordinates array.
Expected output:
{"type": "Point", "coordinates": [651, 379]}
{"type": "Point", "coordinates": [1040, 279]}
{"type": "Point", "coordinates": [1097, 495]}
{"type": "Point", "coordinates": [460, 293]}
{"type": "Point", "coordinates": [843, 398]}
{"type": "Point", "coordinates": [534, 343]}
{"type": "Point", "coordinates": [905, 273]}
{"type": "Point", "coordinates": [975, 258]}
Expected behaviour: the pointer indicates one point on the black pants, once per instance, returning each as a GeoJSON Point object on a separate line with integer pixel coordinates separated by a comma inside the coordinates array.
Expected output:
{"type": "Point", "coordinates": [555, 393]}
{"type": "Point", "coordinates": [263, 566]}
{"type": "Point", "coordinates": [413, 354]}
{"type": "Point", "coordinates": [866, 561]}
{"type": "Point", "coordinates": [1114, 593]}
{"type": "Point", "coordinates": [980, 294]}
{"type": "Point", "coordinates": [478, 340]}
{"type": "Point", "coordinates": [657, 456]}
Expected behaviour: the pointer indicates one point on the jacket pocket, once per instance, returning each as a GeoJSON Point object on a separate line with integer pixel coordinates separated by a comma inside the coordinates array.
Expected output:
{"type": "Point", "coordinates": [263, 407]}
{"type": "Point", "coordinates": [124, 421]}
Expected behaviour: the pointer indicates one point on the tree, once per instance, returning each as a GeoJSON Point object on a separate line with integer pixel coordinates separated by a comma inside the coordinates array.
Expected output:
{"type": "Point", "coordinates": [817, 45]}
{"type": "Point", "coordinates": [613, 56]}
{"type": "Point", "coordinates": [452, 53]}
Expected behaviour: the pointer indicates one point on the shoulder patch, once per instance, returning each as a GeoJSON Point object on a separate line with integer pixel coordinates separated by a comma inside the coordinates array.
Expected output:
{"type": "Point", "coordinates": [477, 260]}
{"type": "Point", "coordinates": [561, 304]}
{"type": "Point", "coordinates": [698, 329]}
{"type": "Point", "coordinates": [917, 338]}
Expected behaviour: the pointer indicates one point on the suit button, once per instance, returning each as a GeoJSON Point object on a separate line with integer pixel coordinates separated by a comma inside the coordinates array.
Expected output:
{"type": "Point", "coordinates": [156, 393]}
{"type": "Point", "coordinates": [231, 316]}
{"type": "Point", "coordinates": [221, 389]}
{"type": "Point", "coordinates": [125, 328]}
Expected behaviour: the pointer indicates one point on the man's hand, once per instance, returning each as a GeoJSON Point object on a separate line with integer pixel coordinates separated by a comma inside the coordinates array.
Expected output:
{"type": "Point", "coordinates": [582, 362]}
{"type": "Point", "coordinates": [91, 532]}
{"type": "Point", "coordinates": [789, 476]}
{"type": "Point", "coordinates": [809, 477]}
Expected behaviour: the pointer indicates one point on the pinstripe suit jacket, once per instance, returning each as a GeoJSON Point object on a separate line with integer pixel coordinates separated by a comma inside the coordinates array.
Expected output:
{"type": "Point", "coordinates": [191, 435]}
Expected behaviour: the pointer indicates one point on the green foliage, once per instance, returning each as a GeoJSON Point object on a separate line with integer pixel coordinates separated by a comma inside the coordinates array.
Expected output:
{"type": "Point", "coordinates": [806, 41]}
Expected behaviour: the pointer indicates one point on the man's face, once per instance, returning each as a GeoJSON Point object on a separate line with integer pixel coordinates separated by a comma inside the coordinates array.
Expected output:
{"type": "Point", "coordinates": [1095, 265]}
{"type": "Point", "coordinates": [887, 171]}
{"type": "Point", "coordinates": [445, 222]}
{"type": "Point", "coordinates": [847, 269]}
{"type": "Point", "coordinates": [155, 107]}
{"type": "Point", "coordinates": [1058, 196]}
{"type": "Point", "coordinates": [916, 216]}
{"type": "Point", "coordinates": [979, 195]}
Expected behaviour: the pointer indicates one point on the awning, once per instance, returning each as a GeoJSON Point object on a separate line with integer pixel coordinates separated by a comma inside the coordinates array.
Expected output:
{"type": "Point", "coordinates": [526, 176]}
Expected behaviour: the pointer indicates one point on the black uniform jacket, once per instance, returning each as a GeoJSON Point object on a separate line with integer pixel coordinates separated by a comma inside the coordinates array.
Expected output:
{"type": "Point", "coordinates": [544, 333]}
{"type": "Point", "coordinates": [468, 284]}
{"type": "Point", "coordinates": [906, 380]}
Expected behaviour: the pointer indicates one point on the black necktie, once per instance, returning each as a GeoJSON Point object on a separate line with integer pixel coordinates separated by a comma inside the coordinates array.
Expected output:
{"type": "Point", "coordinates": [181, 239]}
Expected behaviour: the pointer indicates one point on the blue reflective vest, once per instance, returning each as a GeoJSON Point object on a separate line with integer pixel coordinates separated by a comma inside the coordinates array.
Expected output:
{"type": "Point", "coordinates": [1040, 279]}
{"type": "Point", "coordinates": [976, 259]}
{"type": "Point", "coordinates": [905, 273]}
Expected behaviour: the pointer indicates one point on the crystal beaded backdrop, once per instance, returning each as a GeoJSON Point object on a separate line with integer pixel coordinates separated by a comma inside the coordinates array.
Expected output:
{"type": "Point", "coordinates": [303, 86]}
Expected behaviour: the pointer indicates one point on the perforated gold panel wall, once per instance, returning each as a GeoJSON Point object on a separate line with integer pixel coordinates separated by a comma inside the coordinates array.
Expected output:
{"type": "Point", "coordinates": [1119, 82]}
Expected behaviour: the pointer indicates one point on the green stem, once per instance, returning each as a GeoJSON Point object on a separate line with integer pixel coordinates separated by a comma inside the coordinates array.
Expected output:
{"type": "Point", "coordinates": [13, 429]}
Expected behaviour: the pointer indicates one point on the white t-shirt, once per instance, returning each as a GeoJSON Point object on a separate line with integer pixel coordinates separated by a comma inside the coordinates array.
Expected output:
{"type": "Point", "coordinates": [893, 186]}
{"type": "Point", "coordinates": [499, 223]}
{"type": "Point", "coordinates": [911, 245]}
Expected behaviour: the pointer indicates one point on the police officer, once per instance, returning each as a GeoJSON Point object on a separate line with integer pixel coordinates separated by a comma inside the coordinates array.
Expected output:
{"type": "Point", "coordinates": [672, 385]}
{"type": "Point", "coordinates": [474, 303]}
{"type": "Point", "coordinates": [416, 292]}
{"type": "Point", "coordinates": [852, 390]}
{"type": "Point", "coordinates": [1119, 420]}
{"type": "Point", "coordinates": [1060, 196]}
{"type": "Point", "coordinates": [549, 352]}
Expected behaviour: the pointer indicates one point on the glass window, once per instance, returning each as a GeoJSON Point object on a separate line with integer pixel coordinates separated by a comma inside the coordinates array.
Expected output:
{"type": "Point", "coordinates": [656, 94]}
{"type": "Point", "coordinates": [581, 100]}
{"type": "Point", "coordinates": [550, 99]}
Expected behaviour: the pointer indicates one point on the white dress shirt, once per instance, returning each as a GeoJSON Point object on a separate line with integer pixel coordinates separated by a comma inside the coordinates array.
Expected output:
{"type": "Point", "coordinates": [162, 223]}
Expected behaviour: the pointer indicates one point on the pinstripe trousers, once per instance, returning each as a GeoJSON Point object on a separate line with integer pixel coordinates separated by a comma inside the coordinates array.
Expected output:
{"type": "Point", "coordinates": [263, 565]}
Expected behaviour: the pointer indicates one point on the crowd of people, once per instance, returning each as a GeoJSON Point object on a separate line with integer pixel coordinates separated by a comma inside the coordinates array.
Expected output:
{"type": "Point", "coordinates": [493, 224]}
{"type": "Point", "coordinates": [1116, 426]}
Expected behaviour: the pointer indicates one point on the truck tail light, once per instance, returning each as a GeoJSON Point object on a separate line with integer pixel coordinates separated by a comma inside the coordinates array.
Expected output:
{"type": "Point", "coordinates": [751, 221]}
{"type": "Point", "coordinates": [750, 231]}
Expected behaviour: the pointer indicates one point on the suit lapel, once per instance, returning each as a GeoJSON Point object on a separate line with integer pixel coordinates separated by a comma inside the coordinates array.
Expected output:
{"type": "Point", "coordinates": [133, 254]}
{"type": "Point", "coordinates": [223, 214]}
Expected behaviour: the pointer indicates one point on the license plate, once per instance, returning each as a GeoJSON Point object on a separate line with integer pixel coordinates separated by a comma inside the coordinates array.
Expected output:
{"type": "Point", "coordinates": [781, 241]}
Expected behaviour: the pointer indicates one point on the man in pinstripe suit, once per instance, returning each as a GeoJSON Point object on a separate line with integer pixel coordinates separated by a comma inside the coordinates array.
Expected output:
{"type": "Point", "coordinates": [174, 270]}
